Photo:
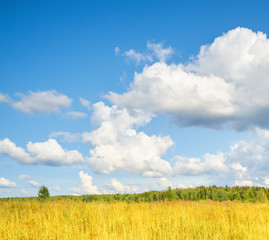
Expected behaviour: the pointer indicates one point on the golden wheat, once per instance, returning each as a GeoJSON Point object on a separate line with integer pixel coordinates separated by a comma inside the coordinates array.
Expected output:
{"type": "Point", "coordinates": [163, 220]}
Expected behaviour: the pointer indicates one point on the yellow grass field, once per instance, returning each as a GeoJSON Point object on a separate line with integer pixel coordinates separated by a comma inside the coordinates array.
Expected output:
{"type": "Point", "coordinates": [163, 220]}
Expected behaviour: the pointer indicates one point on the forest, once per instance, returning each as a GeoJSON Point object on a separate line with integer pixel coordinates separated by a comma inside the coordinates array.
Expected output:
{"type": "Point", "coordinates": [214, 193]}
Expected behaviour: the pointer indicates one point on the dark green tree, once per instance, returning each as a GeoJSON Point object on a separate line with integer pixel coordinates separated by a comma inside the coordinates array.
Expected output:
{"type": "Point", "coordinates": [43, 193]}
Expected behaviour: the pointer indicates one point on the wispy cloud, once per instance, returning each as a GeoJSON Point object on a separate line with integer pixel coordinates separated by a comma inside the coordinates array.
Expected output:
{"type": "Point", "coordinates": [85, 103]}
{"type": "Point", "coordinates": [155, 52]}
{"type": "Point", "coordinates": [76, 115]}
{"type": "Point", "coordinates": [24, 177]}
{"type": "Point", "coordinates": [69, 137]}
{"type": "Point", "coordinates": [33, 183]}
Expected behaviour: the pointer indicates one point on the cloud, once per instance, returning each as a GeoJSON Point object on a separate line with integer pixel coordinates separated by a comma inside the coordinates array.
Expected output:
{"type": "Point", "coordinates": [194, 166]}
{"type": "Point", "coordinates": [42, 102]}
{"type": "Point", "coordinates": [24, 177]}
{"type": "Point", "coordinates": [86, 185]}
{"type": "Point", "coordinates": [161, 53]}
{"type": "Point", "coordinates": [116, 186]}
{"type": "Point", "coordinates": [160, 183]}
{"type": "Point", "coordinates": [165, 89]}
{"type": "Point", "coordinates": [45, 153]}
{"type": "Point", "coordinates": [225, 85]}
{"type": "Point", "coordinates": [137, 57]}
{"type": "Point", "coordinates": [85, 103]}
{"type": "Point", "coordinates": [249, 158]}
{"type": "Point", "coordinates": [244, 183]}
{"type": "Point", "coordinates": [155, 51]}
{"type": "Point", "coordinates": [3, 98]}
{"type": "Point", "coordinates": [118, 146]}
{"type": "Point", "coordinates": [76, 115]}
{"type": "Point", "coordinates": [33, 183]}
{"type": "Point", "coordinates": [117, 50]}
{"type": "Point", "coordinates": [69, 137]}
{"type": "Point", "coordinates": [5, 183]}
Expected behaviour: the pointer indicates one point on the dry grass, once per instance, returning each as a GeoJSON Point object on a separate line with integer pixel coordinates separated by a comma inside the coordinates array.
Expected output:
{"type": "Point", "coordinates": [166, 220]}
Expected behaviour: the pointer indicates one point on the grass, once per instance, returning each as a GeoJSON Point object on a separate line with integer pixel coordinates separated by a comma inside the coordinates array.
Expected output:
{"type": "Point", "coordinates": [161, 220]}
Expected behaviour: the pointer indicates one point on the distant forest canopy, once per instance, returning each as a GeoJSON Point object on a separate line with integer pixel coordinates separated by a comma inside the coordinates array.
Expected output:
{"type": "Point", "coordinates": [241, 194]}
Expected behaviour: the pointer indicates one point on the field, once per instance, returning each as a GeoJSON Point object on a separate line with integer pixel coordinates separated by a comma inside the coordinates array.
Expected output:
{"type": "Point", "coordinates": [68, 219]}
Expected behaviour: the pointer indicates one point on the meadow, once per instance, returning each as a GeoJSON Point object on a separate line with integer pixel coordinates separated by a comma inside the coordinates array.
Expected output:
{"type": "Point", "coordinates": [69, 219]}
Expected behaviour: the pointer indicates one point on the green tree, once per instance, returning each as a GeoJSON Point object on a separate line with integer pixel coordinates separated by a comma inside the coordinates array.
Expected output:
{"type": "Point", "coordinates": [43, 192]}
{"type": "Point", "coordinates": [261, 197]}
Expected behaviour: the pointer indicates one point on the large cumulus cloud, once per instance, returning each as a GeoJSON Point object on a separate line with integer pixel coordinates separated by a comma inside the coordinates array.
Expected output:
{"type": "Point", "coordinates": [226, 84]}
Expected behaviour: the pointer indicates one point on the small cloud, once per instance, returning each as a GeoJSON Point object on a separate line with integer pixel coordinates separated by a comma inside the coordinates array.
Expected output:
{"type": "Point", "coordinates": [5, 183]}
{"type": "Point", "coordinates": [4, 98]}
{"type": "Point", "coordinates": [33, 183]}
{"type": "Point", "coordinates": [243, 183]}
{"type": "Point", "coordinates": [41, 102]}
{"type": "Point", "coordinates": [137, 57]}
{"type": "Point", "coordinates": [123, 77]}
{"type": "Point", "coordinates": [23, 177]}
{"type": "Point", "coordinates": [85, 103]}
{"type": "Point", "coordinates": [86, 185]}
{"type": "Point", "coordinates": [69, 137]}
{"type": "Point", "coordinates": [76, 115]}
{"type": "Point", "coordinates": [161, 53]}
{"type": "Point", "coordinates": [117, 186]}
{"type": "Point", "coordinates": [117, 50]}
{"type": "Point", "coordinates": [155, 52]}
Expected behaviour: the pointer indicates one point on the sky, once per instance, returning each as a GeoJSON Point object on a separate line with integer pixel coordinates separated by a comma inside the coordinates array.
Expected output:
{"type": "Point", "coordinates": [101, 97]}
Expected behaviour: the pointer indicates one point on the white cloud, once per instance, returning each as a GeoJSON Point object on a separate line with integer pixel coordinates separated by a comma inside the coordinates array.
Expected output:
{"type": "Point", "coordinates": [194, 166]}
{"type": "Point", "coordinates": [161, 53]}
{"type": "Point", "coordinates": [33, 183]}
{"type": "Point", "coordinates": [5, 183]}
{"type": "Point", "coordinates": [137, 57]}
{"type": "Point", "coordinates": [118, 146]}
{"type": "Point", "coordinates": [16, 153]}
{"type": "Point", "coordinates": [117, 50]}
{"type": "Point", "coordinates": [23, 177]}
{"type": "Point", "coordinates": [156, 51]}
{"type": "Point", "coordinates": [42, 102]}
{"type": "Point", "coordinates": [46, 153]}
{"type": "Point", "coordinates": [160, 183]}
{"type": "Point", "coordinates": [69, 137]}
{"type": "Point", "coordinates": [76, 115]}
{"type": "Point", "coordinates": [243, 183]}
{"type": "Point", "coordinates": [266, 180]}
{"type": "Point", "coordinates": [85, 103]}
{"type": "Point", "coordinates": [116, 186]}
{"type": "Point", "coordinates": [86, 185]}
{"type": "Point", "coordinates": [163, 88]}
{"type": "Point", "coordinates": [3, 98]}
{"type": "Point", "coordinates": [227, 84]}
{"type": "Point", "coordinates": [249, 158]}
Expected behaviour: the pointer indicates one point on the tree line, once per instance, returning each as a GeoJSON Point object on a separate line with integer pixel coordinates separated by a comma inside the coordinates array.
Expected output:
{"type": "Point", "coordinates": [241, 194]}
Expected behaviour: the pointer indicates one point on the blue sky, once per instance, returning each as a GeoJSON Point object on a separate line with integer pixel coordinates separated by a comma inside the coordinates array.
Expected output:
{"type": "Point", "coordinates": [130, 96]}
